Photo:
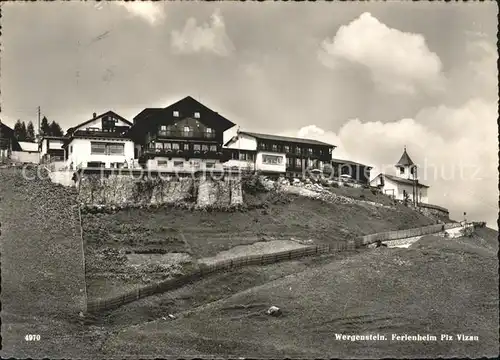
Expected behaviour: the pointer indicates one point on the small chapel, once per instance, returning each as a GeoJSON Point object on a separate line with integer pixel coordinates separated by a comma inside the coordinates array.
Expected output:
{"type": "Point", "coordinates": [404, 184]}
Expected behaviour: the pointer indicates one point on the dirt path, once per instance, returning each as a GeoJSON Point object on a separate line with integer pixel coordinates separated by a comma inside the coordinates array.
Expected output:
{"type": "Point", "coordinates": [257, 248]}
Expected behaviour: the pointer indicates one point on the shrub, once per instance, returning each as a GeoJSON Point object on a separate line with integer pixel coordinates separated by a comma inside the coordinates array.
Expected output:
{"type": "Point", "coordinates": [253, 185]}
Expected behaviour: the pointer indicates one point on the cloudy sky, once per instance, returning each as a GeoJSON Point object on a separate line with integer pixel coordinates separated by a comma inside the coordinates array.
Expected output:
{"type": "Point", "coordinates": [369, 78]}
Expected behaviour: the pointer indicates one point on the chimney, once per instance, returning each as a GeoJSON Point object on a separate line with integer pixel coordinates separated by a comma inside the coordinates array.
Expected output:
{"type": "Point", "coordinates": [94, 115]}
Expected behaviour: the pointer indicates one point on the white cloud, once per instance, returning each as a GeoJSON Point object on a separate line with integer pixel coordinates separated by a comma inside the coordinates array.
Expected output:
{"type": "Point", "coordinates": [149, 11]}
{"type": "Point", "coordinates": [398, 62]}
{"type": "Point", "coordinates": [456, 149]}
{"type": "Point", "coordinates": [208, 37]}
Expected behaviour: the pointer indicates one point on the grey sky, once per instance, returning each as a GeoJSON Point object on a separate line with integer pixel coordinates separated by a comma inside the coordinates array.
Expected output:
{"type": "Point", "coordinates": [276, 67]}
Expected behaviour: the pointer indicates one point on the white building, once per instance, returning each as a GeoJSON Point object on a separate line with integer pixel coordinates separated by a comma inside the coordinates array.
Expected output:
{"type": "Point", "coordinates": [28, 154]}
{"type": "Point", "coordinates": [277, 154]}
{"type": "Point", "coordinates": [404, 184]}
{"type": "Point", "coordinates": [99, 142]}
{"type": "Point", "coordinates": [51, 149]}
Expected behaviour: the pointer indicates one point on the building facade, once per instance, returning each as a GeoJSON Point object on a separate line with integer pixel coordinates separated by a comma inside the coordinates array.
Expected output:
{"type": "Point", "coordinates": [404, 185]}
{"type": "Point", "coordinates": [185, 136]}
{"type": "Point", "coordinates": [277, 154]}
{"type": "Point", "coordinates": [51, 148]}
{"type": "Point", "coordinates": [28, 154]}
{"type": "Point", "coordinates": [8, 143]}
{"type": "Point", "coordinates": [102, 141]}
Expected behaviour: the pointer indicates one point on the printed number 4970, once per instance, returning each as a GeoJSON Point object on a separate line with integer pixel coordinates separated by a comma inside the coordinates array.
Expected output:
{"type": "Point", "coordinates": [32, 337]}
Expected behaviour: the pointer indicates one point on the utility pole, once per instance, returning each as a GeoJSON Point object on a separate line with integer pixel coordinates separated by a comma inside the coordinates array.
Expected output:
{"type": "Point", "coordinates": [39, 137]}
{"type": "Point", "coordinates": [416, 186]}
{"type": "Point", "coordinates": [38, 120]}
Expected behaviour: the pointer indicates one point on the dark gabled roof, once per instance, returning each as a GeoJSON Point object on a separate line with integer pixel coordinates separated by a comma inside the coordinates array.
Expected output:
{"type": "Point", "coordinates": [147, 112]}
{"type": "Point", "coordinates": [51, 137]}
{"type": "Point", "coordinates": [186, 108]}
{"type": "Point", "coordinates": [285, 139]}
{"type": "Point", "coordinates": [7, 132]}
{"type": "Point", "coordinates": [348, 162]}
{"type": "Point", "coordinates": [405, 160]}
{"type": "Point", "coordinates": [72, 129]}
{"type": "Point", "coordinates": [402, 180]}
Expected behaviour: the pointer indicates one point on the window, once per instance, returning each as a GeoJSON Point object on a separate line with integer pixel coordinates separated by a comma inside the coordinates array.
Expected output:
{"type": "Point", "coordinates": [71, 149]}
{"type": "Point", "coordinates": [271, 159]}
{"type": "Point", "coordinates": [175, 146]}
{"type": "Point", "coordinates": [213, 148]}
{"type": "Point", "coordinates": [298, 163]}
{"type": "Point", "coordinates": [196, 147]}
{"type": "Point", "coordinates": [401, 170]}
{"type": "Point", "coordinates": [178, 163]}
{"type": "Point", "coordinates": [243, 156]}
{"type": "Point", "coordinates": [275, 147]}
{"type": "Point", "coordinates": [167, 146]}
{"type": "Point", "coordinates": [194, 163]}
{"type": "Point", "coordinates": [109, 119]}
{"type": "Point", "coordinates": [298, 150]}
{"type": "Point", "coordinates": [197, 115]}
{"type": "Point", "coordinates": [286, 148]}
{"type": "Point", "coordinates": [176, 113]}
{"type": "Point", "coordinates": [98, 148]}
{"type": "Point", "coordinates": [115, 149]}
{"type": "Point", "coordinates": [209, 133]}
{"type": "Point", "coordinates": [210, 164]}
{"type": "Point", "coordinates": [262, 146]}
{"type": "Point", "coordinates": [288, 162]}
{"type": "Point", "coordinates": [204, 147]}
{"type": "Point", "coordinates": [92, 129]}
{"type": "Point", "coordinates": [187, 131]}
{"type": "Point", "coordinates": [310, 163]}
{"type": "Point", "coordinates": [163, 163]}
{"type": "Point", "coordinates": [310, 151]}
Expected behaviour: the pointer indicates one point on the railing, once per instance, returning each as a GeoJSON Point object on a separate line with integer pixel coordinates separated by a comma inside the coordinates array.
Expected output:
{"type": "Point", "coordinates": [186, 134]}
{"type": "Point", "coordinates": [204, 154]}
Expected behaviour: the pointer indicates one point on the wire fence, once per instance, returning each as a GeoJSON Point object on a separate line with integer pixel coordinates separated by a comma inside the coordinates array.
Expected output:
{"type": "Point", "coordinates": [239, 262]}
{"type": "Point", "coordinates": [205, 270]}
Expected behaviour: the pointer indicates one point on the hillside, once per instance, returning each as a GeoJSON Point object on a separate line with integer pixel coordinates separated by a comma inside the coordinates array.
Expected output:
{"type": "Point", "coordinates": [423, 289]}
{"type": "Point", "coordinates": [43, 280]}
{"type": "Point", "coordinates": [434, 286]}
{"type": "Point", "coordinates": [177, 237]}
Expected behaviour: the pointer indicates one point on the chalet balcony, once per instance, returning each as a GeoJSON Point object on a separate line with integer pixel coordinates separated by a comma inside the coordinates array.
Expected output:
{"type": "Point", "coordinates": [198, 135]}
{"type": "Point", "coordinates": [188, 154]}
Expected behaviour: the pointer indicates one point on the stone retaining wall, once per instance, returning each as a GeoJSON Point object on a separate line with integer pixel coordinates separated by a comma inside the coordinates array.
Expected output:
{"type": "Point", "coordinates": [122, 190]}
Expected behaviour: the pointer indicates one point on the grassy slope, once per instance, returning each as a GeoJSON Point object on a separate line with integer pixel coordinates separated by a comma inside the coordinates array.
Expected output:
{"type": "Point", "coordinates": [436, 286]}
{"type": "Point", "coordinates": [208, 233]}
{"type": "Point", "coordinates": [204, 234]}
{"type": "Point", "coordinates": [42, 267]}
